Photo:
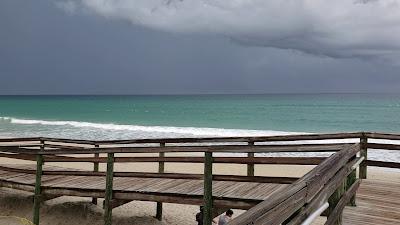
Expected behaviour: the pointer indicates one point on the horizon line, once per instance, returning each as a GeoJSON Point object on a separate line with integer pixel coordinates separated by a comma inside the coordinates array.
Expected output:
{"type": "Point", "coordinates": [191, 94]}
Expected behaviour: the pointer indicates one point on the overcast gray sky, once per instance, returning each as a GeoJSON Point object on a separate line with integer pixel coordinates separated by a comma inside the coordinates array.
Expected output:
{"type": "Point", "coordinates": [204, 46]}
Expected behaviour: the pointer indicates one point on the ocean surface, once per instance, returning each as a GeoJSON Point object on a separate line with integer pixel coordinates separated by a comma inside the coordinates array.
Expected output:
{"type": "Point", "coordinates": [122, 117]}
{"type": "Point", "coordinates": [132, 117]}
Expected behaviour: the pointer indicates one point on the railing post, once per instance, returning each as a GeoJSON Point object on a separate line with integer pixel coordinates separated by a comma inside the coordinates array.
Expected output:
{"type": "Point", "coordinates": [334, 200]}
{"type": "Point", "coordinates": [161, 169]}
{"type": "Point", "coordinates": [208, 199]}
{"type": "Point", "coordinates": [109, 190]}
{"type": "Point", "coordinates": [250, 166]}
{"type": "Point", "coordinates": [363, 153]}
{"type": "Point", "coordinates": [38, 184]}
{"type": "Point", "coordinates": [95, 169]}
{"type": "Point", "coordinates": [351, 178]}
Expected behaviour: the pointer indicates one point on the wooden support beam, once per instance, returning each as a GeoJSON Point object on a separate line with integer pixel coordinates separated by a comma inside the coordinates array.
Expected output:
{"type": "Point", "coordinates": [38, 191]}
{"type": "Point", "coordinates": [351, 179]}
{"type": "Point", "coordinates": [109, 190]}
{"type": "Point", "coordinates": [114, 203]}
{"type": "Point", "coordinates": [363, 153]}
{"type": "Point", "coordinates": [44, 197]}
{"type": "Point", "coordinates": [250, 166]}
{"type": "Point", "coordinates": [333, 202]}
{"type": "Point", "coordinates": [336, 213]}
{"type": "Point", "coordinates": [161, 169]}
{"type": "Point", "coordinates": [95, 169]}
{"type": "Point", "coordinates": [208, 198]}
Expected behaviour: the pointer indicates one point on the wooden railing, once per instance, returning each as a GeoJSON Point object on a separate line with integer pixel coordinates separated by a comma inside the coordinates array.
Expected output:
{"type": "Point", "coordinates": [326, 182]}
{"type": "Point", "coordinates": [333, 179]}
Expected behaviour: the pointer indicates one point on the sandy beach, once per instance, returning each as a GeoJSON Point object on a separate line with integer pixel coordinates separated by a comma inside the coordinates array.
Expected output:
{"type": "Point", "coordinates": [76, 210]}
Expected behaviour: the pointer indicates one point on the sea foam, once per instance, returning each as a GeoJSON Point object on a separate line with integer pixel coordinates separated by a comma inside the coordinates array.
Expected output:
{"type": "Point", "coordinates": [197, 131]}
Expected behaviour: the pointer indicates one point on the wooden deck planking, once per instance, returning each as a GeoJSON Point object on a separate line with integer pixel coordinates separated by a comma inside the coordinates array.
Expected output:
{"type": "Point", "coordinates": [252, 191]}
{"type": "Point", "coordinates": [378, 202]}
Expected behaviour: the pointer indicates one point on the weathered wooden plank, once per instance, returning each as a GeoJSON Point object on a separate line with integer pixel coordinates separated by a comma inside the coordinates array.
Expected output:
{"type": "Point", "coordinates": [70, 141]}
{"type": "Point", "coordinates": [383, 146]}
{"type": "Point", "coordinates": [29, 139]}
{"type": "Point", "coordinates": [19, 156]}
{"type": "Point", "coordinates": [376, 135]}
{"type": "Point", "coordinates": [215, 148]}
{"type": "Point", "coordinates": [189, 159]}
{"type": "Point", "coordinates": [63, 145]}
{"type": "Point", "coordinates": [19, 150]}
{"type": "Point", "coordinates": [383, 164]}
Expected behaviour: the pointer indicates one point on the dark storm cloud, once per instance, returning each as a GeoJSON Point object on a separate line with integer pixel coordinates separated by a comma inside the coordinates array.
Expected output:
{"type": "Point", "coordinates": [340, 28]}
{"type": "Point", "coordinates": [44, 50]}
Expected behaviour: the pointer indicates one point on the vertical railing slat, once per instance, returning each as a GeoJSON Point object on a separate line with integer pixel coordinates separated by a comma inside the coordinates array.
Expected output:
{"type": "Point", "coordinates": [363, 153]}
{"type": "Point", "coordinates": [161, 169]}
{"type": "Point", "coordinates": [351, 178]}
{"type": "Point", "coordinates": [208, 199]}
{"type": "Point", "coordinates": [109, 190]}
{"type": "Point", "coordinates": [334, 200]}
{"type": "Point", "coordinates": [38, 184]}
{"type": "Point", "coordinates": [250, 166]}
{"type": "Point", "coordinates": [95, 169]}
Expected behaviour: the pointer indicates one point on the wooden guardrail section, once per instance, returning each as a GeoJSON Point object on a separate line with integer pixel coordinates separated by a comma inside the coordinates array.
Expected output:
{"type": "Point", "coordinates": [284, 200]}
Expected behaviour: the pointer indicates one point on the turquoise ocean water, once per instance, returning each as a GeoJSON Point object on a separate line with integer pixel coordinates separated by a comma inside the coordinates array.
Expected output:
{"type": "Point", "coordinates": [122, 117]}
{"type": "Point", "coordinates": [131, 117]}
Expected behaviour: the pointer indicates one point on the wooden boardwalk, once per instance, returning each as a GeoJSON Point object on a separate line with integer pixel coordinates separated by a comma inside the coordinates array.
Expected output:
{"type": "Point", "coordinates": [378, 203]}
{"type": "Point", "coordinates": [328, 189]}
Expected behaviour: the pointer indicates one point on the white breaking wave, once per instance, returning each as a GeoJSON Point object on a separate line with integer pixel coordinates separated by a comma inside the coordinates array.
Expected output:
{"type": "Point", "coordinates": [103, 131]}
{"type": "Point", "coordinates": [197, 131]}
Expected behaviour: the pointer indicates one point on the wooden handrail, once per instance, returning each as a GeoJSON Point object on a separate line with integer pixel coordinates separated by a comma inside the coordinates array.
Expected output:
{"type": "Point", "coordinates": [245, 139]}
{"type": "Point", "coordinates": [276, 211]}
{"type": "Point", "coordinates": [208, 148]}
{"type": "Point", "coordinates": [297, 137]}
